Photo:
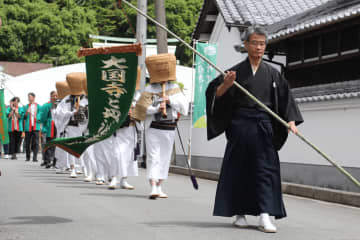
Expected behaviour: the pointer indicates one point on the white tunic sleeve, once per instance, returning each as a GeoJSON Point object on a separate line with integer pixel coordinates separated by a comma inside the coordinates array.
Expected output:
{"type": "Point", "coordinates": [179, 102]}
{"type": "Point", "coordinates": [62, 115]}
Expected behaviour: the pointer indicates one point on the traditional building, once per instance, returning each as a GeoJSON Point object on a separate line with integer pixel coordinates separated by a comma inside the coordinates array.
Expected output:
{"type": "Point", "coordinates": [19, 68]}
{"type": "Point", "coordinates": [322, 49]}
{"type": "Point", "coordinates": [318, 43]}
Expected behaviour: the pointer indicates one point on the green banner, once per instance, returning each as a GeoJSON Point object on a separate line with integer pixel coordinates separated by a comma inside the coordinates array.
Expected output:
{"type": "Point", "coordinates": [111, 80]}
{"type": "Point", "coordinates": [3, 120]}
{"type": "Point", "coordinates": [204, 73]}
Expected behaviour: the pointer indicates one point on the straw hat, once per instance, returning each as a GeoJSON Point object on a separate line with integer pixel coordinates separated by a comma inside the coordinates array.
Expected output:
{"type": "Point", "coordinates": [62, 89]}
{"type": "Point", "coordinates": [75, 80]}
{"type": "Point", "coordinates": [84, 85]}
{"type": "Point", "coordinates": [161, 67]}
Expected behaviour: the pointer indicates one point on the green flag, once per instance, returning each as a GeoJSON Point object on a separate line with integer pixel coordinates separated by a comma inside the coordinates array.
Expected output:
{"type": "Point", "coordinates": [111, 79]}
{"type": "Point", "coordinates": [204, 73]}
{"type": "Point", "coordinates": [3, 120]}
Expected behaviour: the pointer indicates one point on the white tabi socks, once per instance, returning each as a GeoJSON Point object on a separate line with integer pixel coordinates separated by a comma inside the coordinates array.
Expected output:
{"type": "Point", "coordinates": [113, 183]}
{"type": "Point", "coordinates": [161, 193]}
{"type": "Point", "coordinates": [125, 185]}
{"type": "Point", "coordinates": [265, 224]}
{"type": "Point", "coordinates": [241, 221]}
{"type": "Point", "coordinates": [73, 173]}
{"type": "Point", "coordinates": [154, 192]}
{"type": "Point", "coordinates": [88, 179]}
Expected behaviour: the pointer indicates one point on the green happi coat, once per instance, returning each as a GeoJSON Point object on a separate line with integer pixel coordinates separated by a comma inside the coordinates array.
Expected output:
{"type": "Point", "coordinates": [48, 127]}
{"type": "Point", "coordinates": [12, 126]}
{"type": "Point", "coordinates": [29, 126]}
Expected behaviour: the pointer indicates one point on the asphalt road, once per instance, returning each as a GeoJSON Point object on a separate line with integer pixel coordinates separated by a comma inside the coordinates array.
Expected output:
{"type": "Point", "coordinates": [37, 204]}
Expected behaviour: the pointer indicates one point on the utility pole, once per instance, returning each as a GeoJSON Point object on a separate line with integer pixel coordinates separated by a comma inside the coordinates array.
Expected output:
{"type": "Point", "coordinates": [141, 36]}
{"type": "Point", "coordinates": [161, 35]}
{"type": "Point", "coordinates": [141, 28]}
{"type": "Point", "coordinates": [162, 44]}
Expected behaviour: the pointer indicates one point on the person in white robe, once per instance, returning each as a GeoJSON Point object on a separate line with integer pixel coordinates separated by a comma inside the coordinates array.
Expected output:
{"type": "Point", "coordinates": [67, 116]}
{"type": "Point", "coordinates": [62, 161]}
{"type": "Point", "coordinates": [160, 105]}
{"type": "Point", "coordinates": [123, 164]}
{"type": "Point", "coordinates": [160, 132]}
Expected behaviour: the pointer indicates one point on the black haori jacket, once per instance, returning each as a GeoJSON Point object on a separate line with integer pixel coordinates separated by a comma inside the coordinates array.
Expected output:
{"type": "Point", "coordinates": [219, 110]}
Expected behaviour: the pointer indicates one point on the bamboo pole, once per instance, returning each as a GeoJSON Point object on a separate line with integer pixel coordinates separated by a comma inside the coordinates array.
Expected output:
{"type": "Point", "coordinates": [268, 110]}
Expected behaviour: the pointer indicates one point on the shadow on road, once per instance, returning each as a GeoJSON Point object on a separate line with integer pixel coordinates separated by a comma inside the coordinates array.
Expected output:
{"type": "Point", "coordinates": [24, 220]}
{"type": "Point", "coordinates": [84, 186]}
{"type": "Point", "coordinates": [62, 181]}
{"type": "Point", "coordinates": [198, 224]}
{"type": "Point", "coordinates": [115, 195]}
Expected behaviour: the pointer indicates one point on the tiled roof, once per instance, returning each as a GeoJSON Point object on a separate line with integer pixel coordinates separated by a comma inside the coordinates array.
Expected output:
{"type": "Point", "coordinates": [331, 12]}
{"type": "Point", "coordinates": [19, 68]}
{"type": "Point", "coordinates": [328, 97]}
{"type": "Point", "coordinates": [326, 92]}
{"type": "Point", "coordinates": [263, 12]}
{"type": "Point", "coordinates": [242, 13]}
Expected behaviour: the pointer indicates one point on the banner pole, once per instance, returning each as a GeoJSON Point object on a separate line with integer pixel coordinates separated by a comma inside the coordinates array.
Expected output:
{"type": "Point", "coordinates": [191, 104]}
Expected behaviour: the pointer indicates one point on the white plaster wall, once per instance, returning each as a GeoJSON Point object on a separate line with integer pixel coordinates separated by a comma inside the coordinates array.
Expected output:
{"type": "Point", "coordinates": [200, 145]}
{"type": "Point", "coordinates": [334, 127]}
{"type": "Point", "coordinates": [225, 40]}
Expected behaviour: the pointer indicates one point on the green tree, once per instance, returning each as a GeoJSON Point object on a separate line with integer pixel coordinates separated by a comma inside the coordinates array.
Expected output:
{"type": "Point", "coordinates": [40, 31]}
{"type": "Point", "coordinates": [52, 31]}
{"type": "Point", "coordinates": [181, 18]}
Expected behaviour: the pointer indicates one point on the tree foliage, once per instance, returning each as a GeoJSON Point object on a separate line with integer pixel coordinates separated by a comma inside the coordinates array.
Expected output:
{"type": "Point", "coordinates": [51, 31]}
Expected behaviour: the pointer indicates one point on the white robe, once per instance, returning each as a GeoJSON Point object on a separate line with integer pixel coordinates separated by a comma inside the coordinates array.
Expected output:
{"type": "Point", "coordinates": [62, 157]}
{"type": "Point", "coordinates": [123, 164]}
{"type": "Point", "coordinates": [62, 115]}
{"type": "Point", "coordinates": [159, 143]}
{"type": "Point", "coordinates": [88, 158]}
{"type": "Point", "coordinates": [124, 143]}
{"type": "Point", "coordinates": [103, 152]}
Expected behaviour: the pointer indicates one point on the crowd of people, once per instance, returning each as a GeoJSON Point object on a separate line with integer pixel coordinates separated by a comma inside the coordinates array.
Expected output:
{"type": "Point", "coordinates": [27, 128]}
{"type": "Point", "coordinates": [110, 161]}
{"type": "Point", "coordinates": [249, 182]}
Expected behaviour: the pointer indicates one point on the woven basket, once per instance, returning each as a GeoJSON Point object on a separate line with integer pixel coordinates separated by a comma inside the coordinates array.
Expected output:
{"type": "Point", "coordinates": [161, 67]}
{"type": "Point", "coordinates": [84, 85]}
{"type": "Point", "coordinates": [62, 89]}
{"type": "Point", "coordinates": [75, 80]}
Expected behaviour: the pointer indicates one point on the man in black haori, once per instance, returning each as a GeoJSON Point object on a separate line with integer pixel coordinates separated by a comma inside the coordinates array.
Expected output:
{"type": "Point", "coordinates": [250, 182]}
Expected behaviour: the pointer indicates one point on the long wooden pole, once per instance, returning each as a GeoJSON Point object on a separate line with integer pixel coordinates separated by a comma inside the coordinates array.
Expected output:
{"type": "Point", "coordinates": [268, 110]}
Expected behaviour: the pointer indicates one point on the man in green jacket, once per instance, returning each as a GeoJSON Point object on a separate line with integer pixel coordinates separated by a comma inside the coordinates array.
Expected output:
{"type": "Point", "coordinates": [49, 129]}
{"type": "Point", "coordinates": [15, 126]}
{"type": "Point", "coordinates": [32, 116]}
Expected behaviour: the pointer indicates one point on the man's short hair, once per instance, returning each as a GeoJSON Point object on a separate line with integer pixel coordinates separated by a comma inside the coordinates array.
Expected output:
{"type": "Point", "coordinates": [52, 92]}
{"type": "Point", "coordinates": [15, 99]}
{"type": "Point", "coordinates": [255, 29]}
{"type": "Point", "coordinates": [31, 94]}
